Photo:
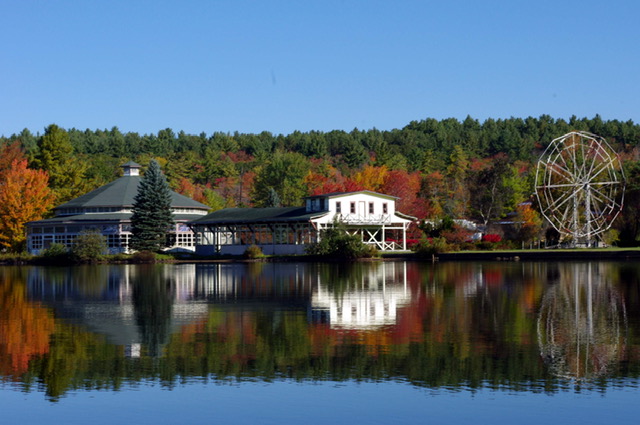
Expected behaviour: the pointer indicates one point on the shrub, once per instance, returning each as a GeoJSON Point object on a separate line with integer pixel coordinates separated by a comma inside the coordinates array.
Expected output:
{"type": "Point", "coordinates": [55, 251]}
{"type": "Point", "coordinates": [370, 251]}
{"type": "Point", "coordinates": [89, 246]}
{"type": "Point", "coordinates": [430, 246]}
{"type": "Point", "coordinates": [143, 257]}
{"type": "Point", "coordinates": [336, 242]}
{"type": "Point", "coordinates": [253, 252]}
{"type": "Point", "coordinates": [492, 238]}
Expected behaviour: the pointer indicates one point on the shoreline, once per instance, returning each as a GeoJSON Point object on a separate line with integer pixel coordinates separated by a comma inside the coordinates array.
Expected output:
{"type": "Point", "coordinates": [608, 254]}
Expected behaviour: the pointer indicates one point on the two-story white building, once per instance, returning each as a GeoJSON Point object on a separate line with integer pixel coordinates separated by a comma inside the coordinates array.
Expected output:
{"type": "Point", "coordinates": [286, 231]}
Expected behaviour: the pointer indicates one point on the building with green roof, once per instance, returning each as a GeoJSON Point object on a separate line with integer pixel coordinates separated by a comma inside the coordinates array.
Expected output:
{"type": "Point", "coordinates": [109, 210]}
{"type": "Point", "coordinates": [289, 231]}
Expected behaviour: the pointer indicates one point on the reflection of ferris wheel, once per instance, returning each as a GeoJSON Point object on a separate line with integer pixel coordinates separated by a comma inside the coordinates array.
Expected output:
{"type": "Point", "coordinates": [580, 185]}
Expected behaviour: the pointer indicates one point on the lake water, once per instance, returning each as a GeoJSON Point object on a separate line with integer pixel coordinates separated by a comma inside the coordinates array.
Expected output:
{"type": "Point", "coordinates": [384, 342]}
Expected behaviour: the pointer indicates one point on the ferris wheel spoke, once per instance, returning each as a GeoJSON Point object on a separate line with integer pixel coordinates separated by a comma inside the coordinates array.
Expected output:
{"type": "Point", "coordinates": [605, 166]}
{"type": "Point", "coordinates": [558, 202]}
{"type": "Point", "coordinates": [602, 197]}
{"type": "Point", "coordinates": [565, 174]}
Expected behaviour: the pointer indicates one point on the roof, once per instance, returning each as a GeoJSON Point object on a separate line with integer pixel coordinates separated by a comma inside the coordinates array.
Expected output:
{"type": "Point", "coordinates": [103, 217]}
{"type": "Point", "coordinates": [121, 193]}
{"type": "Point", "coordinates": [259, 215]}
{"type": "Point", "coordinates": [340, 194]}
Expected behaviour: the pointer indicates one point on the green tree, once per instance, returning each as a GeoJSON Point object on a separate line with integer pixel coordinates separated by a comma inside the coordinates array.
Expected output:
{"type": "Point", "coordinates": [66, 171]}
{"type": "Point", "coordinates": [284, 174]}
{"type": "Point", "coordinates": [152, 216]}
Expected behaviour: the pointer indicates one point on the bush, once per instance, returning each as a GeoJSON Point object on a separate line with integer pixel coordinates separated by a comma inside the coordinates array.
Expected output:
{"type": "Point", "coordinates": [144, 257]}
{"type": "Point", "coordinates": [431, 246]}
{"type": "Point", "coordinates": [253, 252]}
{"type": "Point", "coordinates": [55, 251]}
{"type": "Point", "coordinates": [370, 251]}
{"type": "Point", "coordinates": [336, 242]}
{"type": "Point", "coordinates": [89, 246]}
{"type": "Point", "coordinates": [492, 238]}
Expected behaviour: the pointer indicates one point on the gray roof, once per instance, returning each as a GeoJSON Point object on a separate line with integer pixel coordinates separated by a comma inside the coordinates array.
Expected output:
{"type": "Point", "coordinates": [258, 215]}
{"type": "Point", "coordinates": [121, 193]}
{"type": "Point", "coordinates": [103, 217]}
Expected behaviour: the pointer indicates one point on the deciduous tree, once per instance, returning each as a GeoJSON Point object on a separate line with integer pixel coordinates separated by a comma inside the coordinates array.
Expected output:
{"type": "Point", "coordinates": [24, 196]}
{"type": "Point", "coordinates": [66, 171]}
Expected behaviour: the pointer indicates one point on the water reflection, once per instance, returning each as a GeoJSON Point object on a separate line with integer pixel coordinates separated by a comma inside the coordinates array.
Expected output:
{"type": "Point", "coordinates": [522, 326]}
{"type": "Point", "coordinates": [582, 323]}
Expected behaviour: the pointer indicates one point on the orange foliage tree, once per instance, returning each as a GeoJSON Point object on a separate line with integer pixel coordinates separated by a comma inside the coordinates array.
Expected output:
{"type": "Point", "coordinates": [24, 196]}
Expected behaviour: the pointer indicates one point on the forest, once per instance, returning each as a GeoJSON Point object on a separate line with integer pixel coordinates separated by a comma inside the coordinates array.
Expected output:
{"type": "Point", "coordinates": [480, 171]}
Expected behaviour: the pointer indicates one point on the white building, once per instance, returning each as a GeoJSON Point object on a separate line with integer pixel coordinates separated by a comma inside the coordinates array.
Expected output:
{"type": "Point", "coordinates": [286, 231]}
{"type": "Point", "coordinates": [109, 209]}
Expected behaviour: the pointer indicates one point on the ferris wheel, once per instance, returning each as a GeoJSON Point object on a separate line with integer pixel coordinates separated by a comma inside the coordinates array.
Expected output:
{"type": "Point", "coordinates": [580, 185]}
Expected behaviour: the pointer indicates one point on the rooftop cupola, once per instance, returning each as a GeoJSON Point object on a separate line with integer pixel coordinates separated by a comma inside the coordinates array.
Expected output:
{"type": "Point", "coordinates": [131, 169]}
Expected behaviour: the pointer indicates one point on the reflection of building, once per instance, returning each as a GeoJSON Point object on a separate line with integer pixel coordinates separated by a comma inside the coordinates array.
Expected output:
{"type": "Point", "coordinates": [109, 210]}
{"type": "Point", "coordinates": [371, 303]}
{"type": "Point", "coordinates": [371, 215]}
{"type": "Point", "coordinates": [103, 299]}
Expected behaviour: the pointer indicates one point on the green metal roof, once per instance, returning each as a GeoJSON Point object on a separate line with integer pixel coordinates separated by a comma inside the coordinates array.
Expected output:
{"type": "Point", "coordinates": [258, 215]}
{"type": "Point", "coordinates": [121, 193]}
{"type": "Point", "coordinates": [102, 217]}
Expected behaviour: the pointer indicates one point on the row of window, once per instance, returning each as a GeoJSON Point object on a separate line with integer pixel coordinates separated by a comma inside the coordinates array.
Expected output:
{"type": "Point", "coordinates": [38, 242]}
{"type": "Point", "coordinates": [352, 207]}
{"type": "Point", "coordinates": [73, 211]}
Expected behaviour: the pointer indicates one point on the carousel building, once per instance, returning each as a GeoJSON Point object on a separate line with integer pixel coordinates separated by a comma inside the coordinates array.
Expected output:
{"type": "Point", "coordinates": [289, 231]}
{"type": "Point", "coordinates": [109, 209]}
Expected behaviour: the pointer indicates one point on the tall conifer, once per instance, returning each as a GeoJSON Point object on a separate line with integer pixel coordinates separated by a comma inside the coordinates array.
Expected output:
{"type": "Point", "coordinates": [152, 217]}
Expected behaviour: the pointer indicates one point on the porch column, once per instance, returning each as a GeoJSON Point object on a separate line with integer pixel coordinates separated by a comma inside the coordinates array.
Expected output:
{"type": "Point", "coordinates": [404, 236]}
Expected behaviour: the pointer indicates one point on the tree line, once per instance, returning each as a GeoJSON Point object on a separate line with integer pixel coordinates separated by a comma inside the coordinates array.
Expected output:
{"type": "Point", "coordinates": [463, 169]}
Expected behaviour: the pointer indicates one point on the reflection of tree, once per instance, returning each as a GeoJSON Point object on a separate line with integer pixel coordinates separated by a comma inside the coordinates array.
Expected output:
{"type": "Point", "coordinates": [153, 302]}
{"type": "Point", "coordinates": [25, 327]}
{"type": "Point", "coordinates": [579, 325]}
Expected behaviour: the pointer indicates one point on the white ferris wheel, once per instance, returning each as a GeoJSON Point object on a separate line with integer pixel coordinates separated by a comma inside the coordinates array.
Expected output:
{"type": "Point", "coordinates": [580, 186]}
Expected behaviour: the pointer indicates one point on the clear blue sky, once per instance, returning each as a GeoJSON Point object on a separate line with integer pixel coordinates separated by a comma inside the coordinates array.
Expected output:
{"type": "Point", "coordinates": [281, 66]}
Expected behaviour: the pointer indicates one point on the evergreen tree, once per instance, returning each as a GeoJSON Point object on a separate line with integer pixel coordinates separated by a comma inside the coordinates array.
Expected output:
{"type": "Point", "coordinates": [152, 216]}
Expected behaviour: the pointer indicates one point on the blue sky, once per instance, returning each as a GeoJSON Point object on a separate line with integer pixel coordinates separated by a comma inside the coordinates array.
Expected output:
{"type": "Point", "coordinates": [280, 66]}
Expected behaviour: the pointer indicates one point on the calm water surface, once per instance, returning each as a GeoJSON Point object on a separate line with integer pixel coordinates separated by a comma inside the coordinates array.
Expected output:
{"type": "Point", "coordinates": [392, 342]}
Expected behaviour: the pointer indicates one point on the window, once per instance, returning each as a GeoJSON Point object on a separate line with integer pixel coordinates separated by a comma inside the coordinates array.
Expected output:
{"type": "Point", "coordinates": [370, 207]}
{"type": "Point", "coordinates": [353, 208]}
{"type": "Point", "coordinates": [338, 207]}
{"type": "Point", "coordinates": [385, 208]}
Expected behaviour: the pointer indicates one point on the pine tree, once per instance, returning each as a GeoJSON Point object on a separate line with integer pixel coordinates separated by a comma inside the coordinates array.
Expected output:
{"type": "Point", "coordinates": [152, 216]}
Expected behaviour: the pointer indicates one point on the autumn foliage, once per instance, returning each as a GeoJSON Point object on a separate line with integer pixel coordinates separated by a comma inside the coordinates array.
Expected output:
{"type": "Point", "coordinates": [24, 196]}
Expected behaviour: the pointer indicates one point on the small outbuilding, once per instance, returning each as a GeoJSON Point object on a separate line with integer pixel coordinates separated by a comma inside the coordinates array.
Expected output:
{"type": "Point", "coordinates": [289, 231]}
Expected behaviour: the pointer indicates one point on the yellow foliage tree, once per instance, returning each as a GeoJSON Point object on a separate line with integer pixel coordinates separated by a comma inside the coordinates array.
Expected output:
{"type": "Point", "coordinates": [371, 177]}
{"type": "Point", "coordinates": [24, 196]}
